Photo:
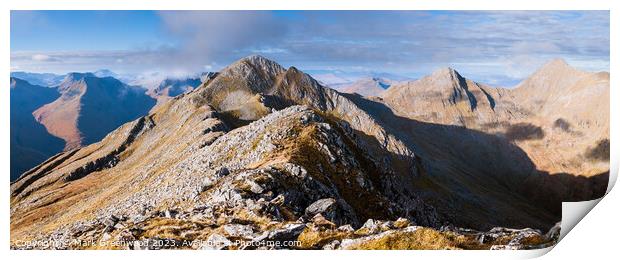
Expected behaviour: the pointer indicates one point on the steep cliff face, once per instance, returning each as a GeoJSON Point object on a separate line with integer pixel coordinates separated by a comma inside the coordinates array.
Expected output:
{"type": "Point", "coordinates": [264, 153]}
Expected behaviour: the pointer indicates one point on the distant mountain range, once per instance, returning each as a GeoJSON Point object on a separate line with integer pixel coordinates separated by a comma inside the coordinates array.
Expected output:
{"type": "Point", "coordinates": [77, 109]}
{"type": "Point", "coordinates": [262, 153]}
{"type": "Point", "coordinates": [338, 77]}
{"type": "Point", "coordinates": [31, 144]}
{"type": "Point", "coordinates": [89, 107]}
{"type": "Point", "coordinates": [368, 87]}
{"type": "Point", "coordinates": [363, 83]}
{"type": "Point", "coordinates": [171, 87]}
{"type": "Point", "coordinates": [557, 117]}
{"type": "Point", "coordinates": [39, 79]}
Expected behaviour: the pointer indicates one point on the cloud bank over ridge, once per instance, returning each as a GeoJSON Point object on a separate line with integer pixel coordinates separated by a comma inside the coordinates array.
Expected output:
{"type": "Point", "coordinates": [498, 47]}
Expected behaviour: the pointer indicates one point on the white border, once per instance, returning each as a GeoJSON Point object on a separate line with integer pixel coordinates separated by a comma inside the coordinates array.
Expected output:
{"type": "Point", "coordinates": [581, 242]}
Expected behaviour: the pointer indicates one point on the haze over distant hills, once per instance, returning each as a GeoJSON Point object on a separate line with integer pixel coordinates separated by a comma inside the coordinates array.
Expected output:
{"type": "Point", "coordinates": [558, 108]}
{"type": "Point", "coordinates": [90, 107]}
{"type": "Point", "coordinates": [39, 79]}
{"type": "Point", "coordinates": [367, 86]}
{"type": "Point", "coordinates": [171, 87]}
{"type": "Point", "coordinates": [77, 109]}
{"type": "Point", "coordinates": [265, 153]}
{"type": "Point", "coordinates": [363, 83]}
{"type": "Point", "coordinates": [80, 110]}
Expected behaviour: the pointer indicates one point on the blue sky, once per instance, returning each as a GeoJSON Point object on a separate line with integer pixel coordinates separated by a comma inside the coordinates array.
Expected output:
{"type": "Point", "coordinates": [498, 48]}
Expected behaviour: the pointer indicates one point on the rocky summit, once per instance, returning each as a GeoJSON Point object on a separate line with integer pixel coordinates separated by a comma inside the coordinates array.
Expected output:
{"type": "Point", "coordinates": [264, 157]}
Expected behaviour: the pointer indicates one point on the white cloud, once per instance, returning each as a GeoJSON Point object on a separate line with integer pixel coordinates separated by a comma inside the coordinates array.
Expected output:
{"type": "Point", "coordinates": [498, 46]}
{"type": "Point", "coordinates": [207, 36]}
{"type": "Point", "coordinates": [43, 57]}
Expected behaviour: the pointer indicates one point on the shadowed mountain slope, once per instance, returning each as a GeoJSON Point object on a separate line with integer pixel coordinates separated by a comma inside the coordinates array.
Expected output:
{"type": "Point", "coordinates": [90, 107]}
{"type": "Point", "coordinates": [559, 117]}
{"type": "Point", "coordinates": [31, 144]}
{"type": "Point", "coordinates": [446, 97]}
{"type": "Point", "coordinates": [39, 79]}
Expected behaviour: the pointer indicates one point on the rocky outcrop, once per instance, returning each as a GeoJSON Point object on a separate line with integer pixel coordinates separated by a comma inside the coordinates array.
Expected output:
{"type": "Point", "coordinates": [111, 159]}
{"type": "Point", "coordinates": [281, 169]}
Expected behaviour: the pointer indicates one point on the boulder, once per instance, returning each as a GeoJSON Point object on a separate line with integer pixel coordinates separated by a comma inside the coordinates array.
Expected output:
{"type": "Point", "coordinates": [370, 227]}
{"type": "Point", "coordinates": [346, 228]}
{"type": "Point", "coordinates": [170, 213]}
{"type": "Point", "coordinates": [119, 226]}
{"type": "Point", "coordinates": [221, 172]}
{"type": "Point", "coordinates": [321, 206]}
{"type": "Point", "coordinates": [401, 223]}
{"type": "Point", "coordinates": [288, 232]}
{"type": "Point", "coordinates": [207, 183]}
{"type": "Point", "coordinates": [105, 237]}
{"type": "Point", "coordinates": [333, 245]}
{"type": "Point", "coordinates": [238, 230]}
{"type": "Point", "coordinates": [215, 242]}
{"type": "Point", "coordinates": [255, 187]}
{"type": "Point", "coordinates": [329, 209]}
{"type": "Point", "coordinates": [111, 221]}
{"type": "Point", "coordinates": [320, 221]}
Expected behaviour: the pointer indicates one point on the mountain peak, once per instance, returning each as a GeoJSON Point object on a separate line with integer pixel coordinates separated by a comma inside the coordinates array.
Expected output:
{"type": "Point", "coordinates": [102, 73]}
{"type": "Point", "coordinates": [556, 62]}
{"type": "Point", "coordinates": [254, 62]}
{"type": "Point", "coordinates": [258, 61]}
{"type": "Point", "coordinates": [556, 66]}
{"type": "Point", "coordinates": [76, 76]}
{"type": "Point", "coordinates": [447, 73]}
{"type": "Point", "coordinates": [256, 58]}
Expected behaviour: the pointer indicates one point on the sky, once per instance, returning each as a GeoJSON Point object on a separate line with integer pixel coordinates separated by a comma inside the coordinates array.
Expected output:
{"type": "Point", "coordinates": [494, 47]}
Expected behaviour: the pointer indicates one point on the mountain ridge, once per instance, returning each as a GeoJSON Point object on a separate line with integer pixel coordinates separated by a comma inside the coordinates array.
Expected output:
{"type": "Point", "coordinates": [260, 143]}
{"type": "Point", "coordinates": [30, 142]}
{"type": "Point", "coordinates": [74, 116]}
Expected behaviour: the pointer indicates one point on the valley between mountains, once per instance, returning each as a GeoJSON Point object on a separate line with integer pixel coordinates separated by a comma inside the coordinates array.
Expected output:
{"type": "Point", "coordinates": [258, 155]}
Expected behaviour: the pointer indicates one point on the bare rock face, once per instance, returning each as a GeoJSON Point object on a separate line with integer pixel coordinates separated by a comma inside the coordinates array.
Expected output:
{"type": "Point", "coordinates": [260, 155]}
{"type": "Point", "coordinates": [448, 98]}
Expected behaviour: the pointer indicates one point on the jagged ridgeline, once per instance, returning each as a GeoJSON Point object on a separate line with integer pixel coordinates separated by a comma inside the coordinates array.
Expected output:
{"type": "Point", "coordinates": [263, 154]}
